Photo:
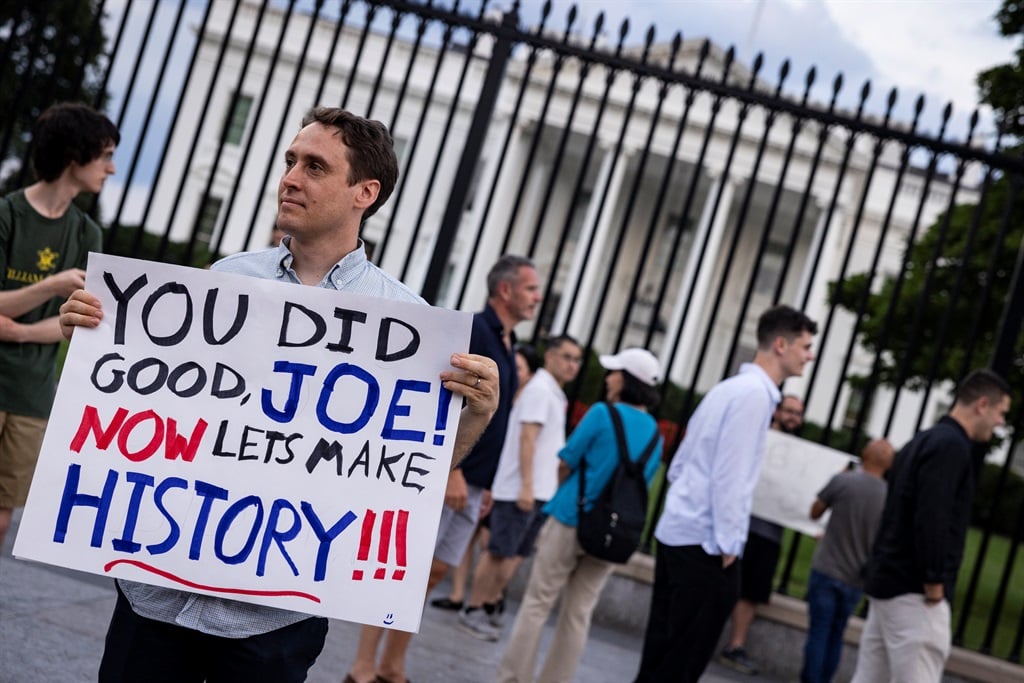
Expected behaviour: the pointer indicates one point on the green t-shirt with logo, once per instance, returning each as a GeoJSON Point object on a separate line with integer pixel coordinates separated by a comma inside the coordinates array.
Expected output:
{"type": "Point", "coordinates": [32, 248]}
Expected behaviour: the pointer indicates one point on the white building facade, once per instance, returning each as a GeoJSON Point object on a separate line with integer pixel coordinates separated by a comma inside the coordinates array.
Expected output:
{"type": "Point", "coordinates": [573, 172]}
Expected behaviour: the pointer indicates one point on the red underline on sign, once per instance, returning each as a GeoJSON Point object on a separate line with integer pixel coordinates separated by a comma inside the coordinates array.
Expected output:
{"type": "Point", "coordinates": [216, 589]}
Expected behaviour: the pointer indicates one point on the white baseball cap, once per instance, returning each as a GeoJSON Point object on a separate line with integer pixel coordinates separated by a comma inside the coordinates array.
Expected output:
{"type": "Point", "coordinates": [640, 363]}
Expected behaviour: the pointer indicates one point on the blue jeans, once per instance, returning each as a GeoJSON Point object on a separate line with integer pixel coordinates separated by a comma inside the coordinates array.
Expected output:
{"type": "Point", "coordinates": [829, 605]}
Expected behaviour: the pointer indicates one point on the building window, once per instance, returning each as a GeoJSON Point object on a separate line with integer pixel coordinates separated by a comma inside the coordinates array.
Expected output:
{"type": "Point", "coordinates": [744, 354]}
{"type": "Point", "coordinates": [399, 145]}
{"type": "Point", "coordinates": [474, 184]}
{"type": "Point", "coordinates": [206, 221]}
{"type": "Point", "coordinates": [234, 129]}
{"type": "Point", "coordinates": [770, 271]}
{"type": "Point", "coordinates": [857, 401]}
{"type": "Point", "coordinates": [664, 255]}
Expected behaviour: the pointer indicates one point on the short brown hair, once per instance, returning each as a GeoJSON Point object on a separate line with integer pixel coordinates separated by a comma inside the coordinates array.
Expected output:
{"type": "Point", "coordinates": [782, 321]}
{"type": "Point", "coordinates": [371, 150]}
{"type": "Point", "coordinates": [981, 383]}
{"type": "Point", "coordinates": [69, 132]}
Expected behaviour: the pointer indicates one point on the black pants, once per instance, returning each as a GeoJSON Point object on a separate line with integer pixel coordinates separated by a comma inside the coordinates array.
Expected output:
{"type": "Point", "coordinates": [690, 603]}
{"type": "Point", "coordinates": [141, 650]}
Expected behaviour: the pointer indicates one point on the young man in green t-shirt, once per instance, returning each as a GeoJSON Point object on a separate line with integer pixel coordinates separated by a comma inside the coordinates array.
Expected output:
{"type": "Point", "coordinates": [44, 242]}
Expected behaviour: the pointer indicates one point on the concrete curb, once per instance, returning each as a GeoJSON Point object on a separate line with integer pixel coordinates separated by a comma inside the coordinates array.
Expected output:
{"type": "Point", "coordinates": [776, 638]}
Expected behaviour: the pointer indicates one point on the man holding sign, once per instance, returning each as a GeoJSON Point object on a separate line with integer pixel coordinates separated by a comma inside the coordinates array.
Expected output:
{"type": "Point", "coordinates": [339, 170]}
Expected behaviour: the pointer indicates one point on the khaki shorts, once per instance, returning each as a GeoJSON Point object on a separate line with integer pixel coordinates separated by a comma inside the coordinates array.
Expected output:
{"type": "Point", "coordinates": [20, 439]}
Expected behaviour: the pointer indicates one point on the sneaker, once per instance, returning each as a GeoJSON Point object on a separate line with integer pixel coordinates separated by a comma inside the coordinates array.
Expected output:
{"type": "Point", "coordinates": [495, 614]}
{"type": "Point", "coordinates": [736, 658]}
{"type": "Point", "coordinates": [474, 622]}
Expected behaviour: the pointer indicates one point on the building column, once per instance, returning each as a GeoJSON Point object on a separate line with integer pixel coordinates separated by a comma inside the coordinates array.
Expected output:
{"type": "Point", "coordinates": [492, 233]}
{"type": "Point", "coordinates": [697, 276]}
{"type": "Point", "coordinates": [581, 278]}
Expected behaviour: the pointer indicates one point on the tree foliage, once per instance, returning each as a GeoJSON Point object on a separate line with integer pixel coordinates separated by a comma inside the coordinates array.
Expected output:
{"type": "Point", "coordinates": [1002, 87]}
{"type": "Point", "coordinates": [940, 315]}
{"type": "Point", "coordinates": [50, 51]}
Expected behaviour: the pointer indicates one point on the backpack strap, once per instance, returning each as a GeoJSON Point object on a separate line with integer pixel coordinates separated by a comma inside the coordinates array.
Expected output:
{"type": "Point", "coordinates": [620, 435]}
{"type": "Point", "coordinates": [620, 438]}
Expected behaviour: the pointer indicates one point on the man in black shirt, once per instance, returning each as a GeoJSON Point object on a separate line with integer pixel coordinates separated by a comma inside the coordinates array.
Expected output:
{"type": "Point", "coordinates": [913, 565]}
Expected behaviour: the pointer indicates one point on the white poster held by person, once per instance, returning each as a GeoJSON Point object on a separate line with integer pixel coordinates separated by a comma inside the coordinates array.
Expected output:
{"type": "Point", "coordinates": [248, 439]}
{"type": "Point", "coordinates": [792, 473]}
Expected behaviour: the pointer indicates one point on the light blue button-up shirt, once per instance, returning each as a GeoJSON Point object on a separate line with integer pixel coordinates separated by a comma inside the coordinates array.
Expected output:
{"type": "Point", "coordinates": [230, 618]}
{"type": "Point", "coordinates": [714, 472]}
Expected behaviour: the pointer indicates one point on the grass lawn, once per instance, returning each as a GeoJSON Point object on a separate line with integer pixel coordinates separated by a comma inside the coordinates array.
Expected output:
{"type": "Point", "coordinates": [982, 608]}
{"type": "Point", "coordinates": [983, 605]}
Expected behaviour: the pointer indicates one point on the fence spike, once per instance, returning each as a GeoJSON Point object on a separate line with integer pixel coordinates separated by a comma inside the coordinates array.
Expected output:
{"type": "Point", "coordinates": [705, 49]}
{"type": "Point", "coordinates": [808, 82]}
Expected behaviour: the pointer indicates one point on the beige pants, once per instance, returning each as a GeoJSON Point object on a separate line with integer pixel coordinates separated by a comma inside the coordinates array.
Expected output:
{"type": "Point", "coordinates": [558, 564]}
{"type": "Point", "coordinates": [20, 438]}
{"type": "Point", "coordinates": [905, 640]}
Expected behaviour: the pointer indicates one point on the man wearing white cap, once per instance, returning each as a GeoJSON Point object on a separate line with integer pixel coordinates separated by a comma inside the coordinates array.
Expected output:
{"type": "Point", "coordinates": [711, 478]}
{"type": "Point", "coordinates": [560, 565]}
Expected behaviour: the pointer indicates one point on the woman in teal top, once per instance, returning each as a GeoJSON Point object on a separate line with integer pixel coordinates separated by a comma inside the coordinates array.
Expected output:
{"type": "Point", "coordinates": [560, 565]}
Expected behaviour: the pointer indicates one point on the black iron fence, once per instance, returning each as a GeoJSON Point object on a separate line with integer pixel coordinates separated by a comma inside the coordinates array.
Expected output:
{"type": "Point", "coordinates": [667, 193]}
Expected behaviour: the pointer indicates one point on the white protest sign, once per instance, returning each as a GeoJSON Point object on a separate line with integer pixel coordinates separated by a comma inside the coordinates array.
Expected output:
{"type": "Point", "coordinates": [244, 438]}
{"type": "Point", "coordinates": [792, 473]}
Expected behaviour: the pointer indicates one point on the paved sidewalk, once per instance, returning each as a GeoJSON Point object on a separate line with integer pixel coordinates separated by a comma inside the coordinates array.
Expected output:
{"type": "Point", "coordinates": [52, 623]}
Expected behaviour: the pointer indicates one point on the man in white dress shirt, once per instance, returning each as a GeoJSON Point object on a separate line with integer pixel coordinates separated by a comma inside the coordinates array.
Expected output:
{"type": "Point", "coordinates": [707, 509]}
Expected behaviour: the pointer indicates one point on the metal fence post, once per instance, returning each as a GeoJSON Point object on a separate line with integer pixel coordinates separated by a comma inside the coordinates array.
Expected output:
{"type": "Point", "coordinates": [500, 55]}
{"type": "Point", "coordinates": [1013, 313]}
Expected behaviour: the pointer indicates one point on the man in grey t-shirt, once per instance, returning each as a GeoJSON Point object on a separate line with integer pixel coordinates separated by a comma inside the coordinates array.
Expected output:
{"type": "Point", "coordinates": [856, 498]}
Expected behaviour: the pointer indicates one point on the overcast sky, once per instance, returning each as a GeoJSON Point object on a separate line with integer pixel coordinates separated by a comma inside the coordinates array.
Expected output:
{"type": "Point", "coordinates": [930, 47]}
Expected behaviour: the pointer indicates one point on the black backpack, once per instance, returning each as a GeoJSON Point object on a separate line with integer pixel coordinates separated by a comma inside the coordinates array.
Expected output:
{"type": "Point", "coordinates": [611, 530]}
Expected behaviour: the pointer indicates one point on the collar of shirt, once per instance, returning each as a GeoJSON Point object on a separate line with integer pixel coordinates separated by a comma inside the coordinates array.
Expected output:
{"type": "Point", "coordinates": [542, 376]}
{"type": "Point", "coordinates": [770, 386]}
{"type": "Point", "coordinates": [341, 275]}
{"type": "Point", "coordinates": [494, 322]}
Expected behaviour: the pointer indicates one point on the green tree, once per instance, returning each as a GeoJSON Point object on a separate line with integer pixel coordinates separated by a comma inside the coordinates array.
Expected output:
{"type": "Point", "coordinates": [50, 51]}
{"type": "Point", "coordinates": [936, 314]}
{"type": "Point", "coordinates": [1002, 86]}
{"type": "Point", "coordinates": [940, 316]}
